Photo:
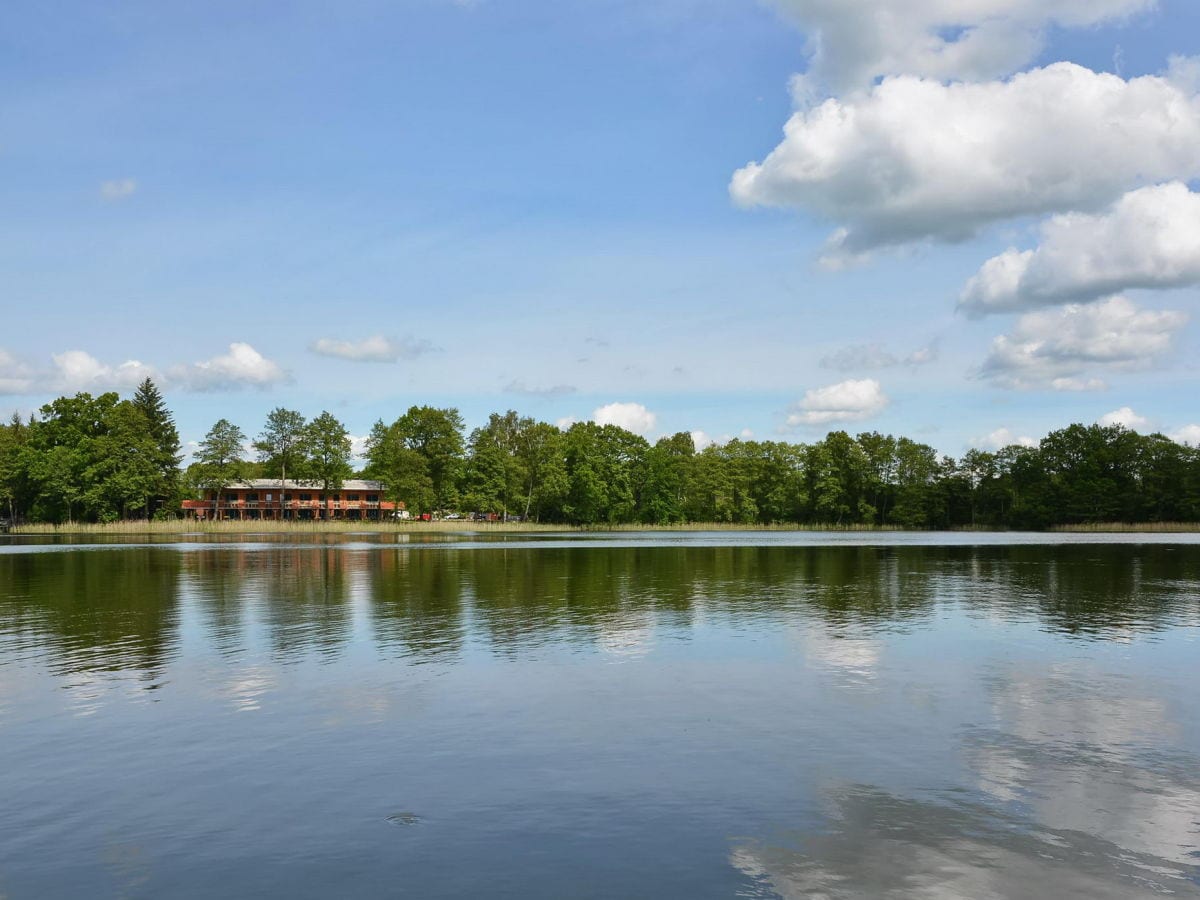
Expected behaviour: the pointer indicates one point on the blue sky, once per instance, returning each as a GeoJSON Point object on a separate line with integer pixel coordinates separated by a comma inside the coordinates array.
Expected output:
{"type": "Point", "coordinates": [534, 206]}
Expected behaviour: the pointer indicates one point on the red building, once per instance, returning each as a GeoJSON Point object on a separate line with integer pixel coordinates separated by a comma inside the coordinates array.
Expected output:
{"type": "Point", "coordinates": [271, 498]}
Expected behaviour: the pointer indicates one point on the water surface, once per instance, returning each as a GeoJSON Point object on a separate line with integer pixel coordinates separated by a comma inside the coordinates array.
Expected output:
{"type": "Point", "coordinates": [691, 715]}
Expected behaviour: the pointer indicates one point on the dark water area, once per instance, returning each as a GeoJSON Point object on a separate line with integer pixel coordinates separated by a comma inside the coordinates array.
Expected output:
{"type": "Point", "coordinates": [682, 715]}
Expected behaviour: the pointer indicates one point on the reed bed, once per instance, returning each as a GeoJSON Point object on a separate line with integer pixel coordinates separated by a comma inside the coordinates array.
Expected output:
{"type": "Point", "coordinates": [1130, 528]}
{"type": "Point", "coordinates": [735, 526]}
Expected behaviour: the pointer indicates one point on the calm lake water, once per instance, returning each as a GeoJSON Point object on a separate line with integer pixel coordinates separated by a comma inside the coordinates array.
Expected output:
{"type": "Point", "coordinates": [681, 715]}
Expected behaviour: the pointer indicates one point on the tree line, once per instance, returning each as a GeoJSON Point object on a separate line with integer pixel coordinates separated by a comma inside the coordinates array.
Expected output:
{"type": "Point", "coordinates": [103, 459]}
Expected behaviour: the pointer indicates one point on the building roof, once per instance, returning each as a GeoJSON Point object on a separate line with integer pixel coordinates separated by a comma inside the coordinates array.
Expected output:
{"type": "Point", "coordinates": [266, 484]}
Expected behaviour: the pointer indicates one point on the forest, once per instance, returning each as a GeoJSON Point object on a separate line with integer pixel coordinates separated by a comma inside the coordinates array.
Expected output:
{"type": "Point", "coordinates": [103, 459]}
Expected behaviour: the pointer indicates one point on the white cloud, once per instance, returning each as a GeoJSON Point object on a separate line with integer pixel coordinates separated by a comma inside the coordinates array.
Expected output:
{"type": "Point", "coordinates": [1185, 72]}
{"type": "Point", "coordinates": [77, 370]}
{"type": "Point", "coordinates": [1059, 349]}
{"type": "Point", "coordinates": [565, 423]}
{"type": "Point", "coordinates": [15, 376]}
{"type": "Point", "coordinates": [376, 348]}
{"type": "Point", "coordinates": [1150, 238]}
{"type": "Point", "coordinates": [863, 357]}
{"type": "Point", "coordinates": [517, 386]}
{"type": "Point", "coordinates": [1126, 418]}
{"type": "Point", "coordinates": [914, 158]}
{"type": "Point", "coordinates": [852, 42]}
{"type": "Point", "coordinates": [358, 445]}
{"type": "Point", "coordinates": [242, 366]}
{"type": "Point", "coordinates": [847, 401]}
{"type": "Point", "coordinates": [1001, 438]}
{"type": "Point", "coordinates": [118, 188]}
{"type": "Point", "coordinates": [1188, 434]}
{"type": "Point", "coordinates": [630, 416]}
{"type": "Point", "coordinates": [702, 439]}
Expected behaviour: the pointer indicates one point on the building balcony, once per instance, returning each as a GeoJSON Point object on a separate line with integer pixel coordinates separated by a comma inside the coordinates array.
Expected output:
{"type": "Point", "coordinates": [288, 504]}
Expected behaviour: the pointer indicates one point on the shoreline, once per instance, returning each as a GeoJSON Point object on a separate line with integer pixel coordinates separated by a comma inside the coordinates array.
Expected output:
{"type": "Point", "coordinates": [184, 526]}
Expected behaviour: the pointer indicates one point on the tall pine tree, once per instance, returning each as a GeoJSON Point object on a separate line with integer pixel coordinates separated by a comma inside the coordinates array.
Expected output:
{"type": "Point", "coordinates": [165, 436]}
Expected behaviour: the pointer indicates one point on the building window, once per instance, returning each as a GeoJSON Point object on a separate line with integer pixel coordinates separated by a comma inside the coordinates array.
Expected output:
{"type": "Point", "coordinates": [306, 496]}
{"type": "Point", "coordinates": [252, 497]}
{"type": "Point", "coordinates": [372, 498]}
{"type": "Point", "coordinates": [352, 496]}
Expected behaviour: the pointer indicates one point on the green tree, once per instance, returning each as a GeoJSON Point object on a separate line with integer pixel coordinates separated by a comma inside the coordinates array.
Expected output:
{"type": "Point", "coordinates": [836, 471]}
{"type": "Point", "coordinates": [667, 466]}
{"type": "Point", "coordinates": [328, 447]}
{"type": "Point", "coordinates": [282, 448]}
{"type": "Point", "coordinates": [710, 492]}
{"type": "Point", "coordinates": [485, 483]}
{"type": "Point", "coordinates": [917, 474]}
{"type": "Point", "coordinates": [605, 473]}
{"type": "Point", "coordinates": [166, 453]}
{"type": "Point", "coordinates": [880, 481]}
{"type": "Point", "coordinates": [221, 458]}
{"type": "Point", "coordinates": [495, 473]}
{"type": "Point", "coordinates": [125, 466]}
{"type": "Point", "coordinates": [13, 479]}
{"type": "Point", "coordinates": [436, 436]}
{"type": "Point", "coordinates": [403, 470]}
{"type": "Point", "coordinates": [61, 451]}
{"type": "Point", "coordinates": [540, 453]}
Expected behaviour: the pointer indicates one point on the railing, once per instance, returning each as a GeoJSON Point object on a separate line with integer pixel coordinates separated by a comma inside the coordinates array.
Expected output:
{"type": "Point", "coordinates": [290, 504]}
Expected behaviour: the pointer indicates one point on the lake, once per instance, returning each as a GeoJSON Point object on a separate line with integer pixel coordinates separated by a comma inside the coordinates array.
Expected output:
{"type": "Point", "coordinates": [630, 715]}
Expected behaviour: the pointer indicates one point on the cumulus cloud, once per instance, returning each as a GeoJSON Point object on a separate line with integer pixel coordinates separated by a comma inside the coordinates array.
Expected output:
{"type": "Point", "coordinates": [1150, 238]}
{"type": "Point", "coordinates": [853, 42]}
{"type": "Point", "coordinates": [76, 370]}
{"type": "Point", "coordinates": [863, 357]}
{"type": "Point", "coordinates": [242, 366]}
{"type": "Point", "coordinates": [630, 416]}
{"type": "Point", "coordinates": [913, 158]}
{"type": "Point", "coordinates": [1126, 418]}
{"type": "Point", "coordinates": [1188, 434]}
{"type": "Point", "coordinates": [847, 401]}
{"type": "Point", "coordinates": [118, 188]}
{"type": "Point", "coordinates": [358, 445]}
{"type": "Point", "coordinates": [15, 376]}
{"type": "Point", "coordinates": [517, 386]}
{"type": "Point", "coordinates": [376, 348]}
{"type": "Point", "coordinates": [1001, 438]}
{"type": "Point", "coordinates": [1061, 349]}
